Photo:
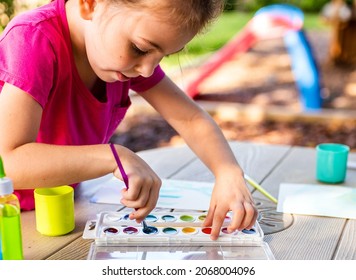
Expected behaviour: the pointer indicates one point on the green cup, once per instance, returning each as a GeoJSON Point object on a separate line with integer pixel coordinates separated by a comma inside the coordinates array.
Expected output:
{"type": "Point", "coordinates": [331, 162]}
{"type": "Point", "coordinates": [54, 209]}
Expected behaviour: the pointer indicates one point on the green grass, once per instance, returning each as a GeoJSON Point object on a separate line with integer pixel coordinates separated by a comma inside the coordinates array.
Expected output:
{"type": "Point", "coordinates": [219, 33]}
{"type": "Point", "coordinates": [314, 22]}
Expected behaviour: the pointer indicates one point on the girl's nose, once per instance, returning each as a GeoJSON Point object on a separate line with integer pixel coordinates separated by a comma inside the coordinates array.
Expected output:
{"type": "Point", "coordinates": [145, 70]}
{"type": "Point", "coordinates": [146, 67]}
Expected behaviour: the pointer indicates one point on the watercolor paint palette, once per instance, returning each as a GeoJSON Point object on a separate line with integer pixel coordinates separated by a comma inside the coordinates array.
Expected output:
{"type": "Point", "coordinates": [165, 227]}
{"type": "Point", "coordinates": [170, 235]}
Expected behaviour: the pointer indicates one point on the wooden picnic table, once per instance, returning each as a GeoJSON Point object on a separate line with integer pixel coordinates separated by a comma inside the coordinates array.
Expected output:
{"type": "Point", "coordinates": [289, 236]}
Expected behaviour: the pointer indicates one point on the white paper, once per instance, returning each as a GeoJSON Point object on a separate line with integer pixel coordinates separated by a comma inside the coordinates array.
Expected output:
{"type": "Point", "coordinates": [177, 194]}
{"type": "Point", "coordinates": [321, 200]}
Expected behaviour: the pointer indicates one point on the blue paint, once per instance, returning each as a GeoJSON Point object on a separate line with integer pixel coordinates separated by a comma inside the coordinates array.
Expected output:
{"type": "Point", "coordinates": [170, 231]}
{"type": "Point", "coordinates": [151, 218]}
{"type": "Point", "coordinates": [168, 218]}
{"type": "Point", "coordinates": [150, 230]}
{"type": "Point", "coordinates": [170, 196]}
{"type": "Point", "coordinates": [249, 231]}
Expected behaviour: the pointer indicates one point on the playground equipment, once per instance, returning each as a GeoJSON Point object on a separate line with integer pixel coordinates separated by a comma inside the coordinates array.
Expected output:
{"type": "Point", "coordinates": [274, 21]}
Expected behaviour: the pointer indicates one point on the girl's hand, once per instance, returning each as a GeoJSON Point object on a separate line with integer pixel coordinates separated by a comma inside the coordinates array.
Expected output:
{"type": "Point", "coordinates": [144, 184]}
{"type": "Point", "coordinates": [231, 194]}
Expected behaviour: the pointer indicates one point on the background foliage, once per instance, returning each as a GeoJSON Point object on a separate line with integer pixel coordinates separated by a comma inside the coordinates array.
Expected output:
{"type": "Point", "coordinates": [9, 8]}
{"type": "Point", "coordinates": [254, 5]}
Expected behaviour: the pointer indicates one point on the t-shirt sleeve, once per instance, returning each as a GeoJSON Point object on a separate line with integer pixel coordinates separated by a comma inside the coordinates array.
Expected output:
{"type": "Point", "coordinates": [27, 61]}
{"type": "Point", "coordinates": [141, 84]}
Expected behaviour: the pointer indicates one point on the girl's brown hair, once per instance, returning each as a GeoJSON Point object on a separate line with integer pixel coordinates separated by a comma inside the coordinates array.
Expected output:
{"type": "Point", "coordinates": [192, 15]}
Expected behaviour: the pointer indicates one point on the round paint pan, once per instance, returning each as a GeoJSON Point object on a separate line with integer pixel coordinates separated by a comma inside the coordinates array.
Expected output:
{"type": "Point", "coordinates": [113, 217]}
{"type": "Point", "coordinates": [170, 231]}
{"type": "Point", "coordinates": [206, 230]}
{"type": "Point", "coordinates": [189, 230]}
{"type": "Point", "coordinates": [202, 217]}
{"type": "Point", "coordinates": [150, 230]}
{"type": "Point", "coordinates": [249, 231]}
{"type": "Point", "coordinates": [126, 217]}
{"type": "Point", "coordinates": [151, 218]}
{"type": "Point", "coordinates": [225, 231]}
{"type": "Point", "coordinates": [168, 218]}
{"type": "Point", "coordinates": [130, 230]}
{"type": "Point", "coordinates": [187, 218]}
{"type": "Point", "coordinates": [110, 231]}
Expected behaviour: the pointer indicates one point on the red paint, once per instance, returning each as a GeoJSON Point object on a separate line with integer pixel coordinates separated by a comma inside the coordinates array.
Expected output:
{"type": "Point", "coordinates": [206, 230]}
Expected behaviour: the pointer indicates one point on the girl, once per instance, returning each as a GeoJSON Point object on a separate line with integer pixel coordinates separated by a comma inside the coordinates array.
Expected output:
{"type": "Point", "coordinates": [65, 71]}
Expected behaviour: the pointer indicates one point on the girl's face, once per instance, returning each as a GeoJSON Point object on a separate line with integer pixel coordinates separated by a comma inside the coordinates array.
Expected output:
{"type": "Point", "coordinates": [122, 43]}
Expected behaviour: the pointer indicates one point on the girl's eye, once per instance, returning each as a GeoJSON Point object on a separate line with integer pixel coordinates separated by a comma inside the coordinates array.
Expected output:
{"type": "Point", "coordinates": [138, 51]}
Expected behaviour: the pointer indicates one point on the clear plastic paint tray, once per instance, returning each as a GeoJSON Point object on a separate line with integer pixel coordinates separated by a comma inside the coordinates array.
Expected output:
{"type": "Point", "coordinates": [217, 252]}
{"type": "Point", "coordinates": [177, 235]}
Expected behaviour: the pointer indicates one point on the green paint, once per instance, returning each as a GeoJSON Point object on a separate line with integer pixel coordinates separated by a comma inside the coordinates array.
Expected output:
{"type": "Point", "coordinates": [11, 238]}
{"type": "Point", "coordinates": [202, 217]}
{"type": "Point", "coordinates": [187, 218]}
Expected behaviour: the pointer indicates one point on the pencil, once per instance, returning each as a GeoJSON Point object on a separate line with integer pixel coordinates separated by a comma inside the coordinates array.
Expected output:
{"type": "Point", "coordinates": [258, 187]}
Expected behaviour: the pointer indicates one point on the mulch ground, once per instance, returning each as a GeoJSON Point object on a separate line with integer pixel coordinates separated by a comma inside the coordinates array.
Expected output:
{"type": "Point", "coordinates": [260, 77]}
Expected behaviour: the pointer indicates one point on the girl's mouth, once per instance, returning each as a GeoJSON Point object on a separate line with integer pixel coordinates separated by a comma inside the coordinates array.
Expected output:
{"type": "Point", "coordinates": [121, 77]}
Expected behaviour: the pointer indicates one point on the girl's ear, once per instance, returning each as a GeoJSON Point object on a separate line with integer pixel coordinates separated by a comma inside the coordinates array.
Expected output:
{"type": "Point", "coordinates": [86, 8]}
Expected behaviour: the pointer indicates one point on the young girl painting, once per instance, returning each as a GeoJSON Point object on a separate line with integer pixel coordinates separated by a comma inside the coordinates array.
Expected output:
{"type": "Point", "coordinates": [65, 72]}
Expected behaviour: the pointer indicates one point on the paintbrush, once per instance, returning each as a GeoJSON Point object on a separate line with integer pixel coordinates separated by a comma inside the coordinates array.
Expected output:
{"type": "Point", "coordinates": [126, 179]}
{"type": "Point", "coordinates": [254, 184]}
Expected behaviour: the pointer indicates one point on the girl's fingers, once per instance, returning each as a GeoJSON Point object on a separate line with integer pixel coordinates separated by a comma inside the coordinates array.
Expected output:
{"type": "Point", "coordinates": [218, 220]}
{"type": "Point", "coordinates": [209, 217]}
{"type": "Point", "coordinates": [146, 201]}
{"type": "Point", "coordinates": [244, 217]}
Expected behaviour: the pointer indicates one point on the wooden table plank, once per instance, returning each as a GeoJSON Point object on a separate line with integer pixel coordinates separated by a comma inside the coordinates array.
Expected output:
{"type": "Point", "coordinates": [309, 238]}
{"type": "Point", "coordinates": [296, 167]}
{"type": "Point", "coordinates": [347, 246]}
{"type": "Point", "coordinates": [169, 160]}
{"type": "Point", "coordinates": [76, 250]}
{"type": "Point", "coordinates": [257, 160]}
{"type": "Point", "coordinates": [37, 246]}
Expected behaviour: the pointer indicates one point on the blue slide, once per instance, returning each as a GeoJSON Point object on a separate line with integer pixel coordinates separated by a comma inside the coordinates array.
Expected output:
{"type": "Point", "coordinates": [304, 67]}
{"type": "Point", "coordinates": [305, 70]}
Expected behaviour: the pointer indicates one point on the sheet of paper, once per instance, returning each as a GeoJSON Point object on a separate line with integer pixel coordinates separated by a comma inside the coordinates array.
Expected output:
{"type": "Point", "coordinates": [177, 194]}
{"type": "Point", "coordinates": [321, 200]}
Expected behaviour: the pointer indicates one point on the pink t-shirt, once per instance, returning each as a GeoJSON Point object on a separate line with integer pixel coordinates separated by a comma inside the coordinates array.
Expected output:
{"type": "Point", "coordinates": [36, 56]}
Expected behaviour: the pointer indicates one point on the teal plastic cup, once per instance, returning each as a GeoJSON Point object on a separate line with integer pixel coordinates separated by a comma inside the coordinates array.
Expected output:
{"type": "Point", "coordinates": [331, 162]}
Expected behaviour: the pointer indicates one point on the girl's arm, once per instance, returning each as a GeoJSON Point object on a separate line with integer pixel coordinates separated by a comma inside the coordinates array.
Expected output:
{"type": "Point", "coordinates": [34, 165]}
{"type": "Point", "coordinates": [205, 138]}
